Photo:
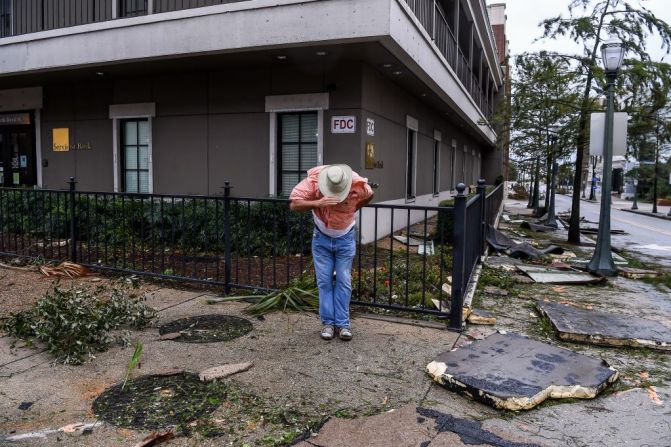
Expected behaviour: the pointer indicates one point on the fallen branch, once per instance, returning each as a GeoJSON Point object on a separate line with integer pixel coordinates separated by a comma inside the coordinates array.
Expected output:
{"type": "Point", "coordinates": [65, 269]}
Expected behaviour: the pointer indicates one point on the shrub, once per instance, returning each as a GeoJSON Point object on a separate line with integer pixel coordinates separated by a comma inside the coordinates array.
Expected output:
{"type": "Point", "coordinates": [75, 323]}
{"type": "Point", "coordinates": [187, 224]}
{"type": "Point", "coordinates": [445, 223]}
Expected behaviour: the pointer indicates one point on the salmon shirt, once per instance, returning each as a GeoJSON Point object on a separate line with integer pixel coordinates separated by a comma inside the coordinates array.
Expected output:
{"type": "Point", "coordinates": [335, 220]}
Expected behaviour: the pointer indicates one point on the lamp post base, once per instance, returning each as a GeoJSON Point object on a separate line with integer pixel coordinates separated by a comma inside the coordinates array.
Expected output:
{"type": "Point", "coordinates": [603, 264]}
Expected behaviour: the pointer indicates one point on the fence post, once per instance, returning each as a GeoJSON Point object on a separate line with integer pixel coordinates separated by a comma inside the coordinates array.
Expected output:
{"type": "Point", "coordinates": [73, 226]}
{"type": "Point", "coordinates": [482, 191]}
{"type": "Point", "coordinates": [227, 237]}
{"type": "Point", "coordinates": [458, 260]}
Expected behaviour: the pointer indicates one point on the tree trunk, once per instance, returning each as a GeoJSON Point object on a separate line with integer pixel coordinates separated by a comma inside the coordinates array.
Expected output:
{"type": "Point", "coordinates": [574, 227]}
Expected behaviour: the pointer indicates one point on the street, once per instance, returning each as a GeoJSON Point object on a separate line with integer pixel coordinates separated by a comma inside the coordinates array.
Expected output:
{"type": "Point", "coordinates": [648, 236]}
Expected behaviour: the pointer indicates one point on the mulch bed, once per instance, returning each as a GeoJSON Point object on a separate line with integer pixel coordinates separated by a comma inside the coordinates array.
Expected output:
{"type": "Point", "coordinates": [207, 328]}
{"type": "Point", "coordinates": [159, 401]}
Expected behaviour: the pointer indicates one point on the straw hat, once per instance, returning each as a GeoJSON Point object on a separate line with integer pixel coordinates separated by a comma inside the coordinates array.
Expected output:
{"type": "Point", "coordinates": [335, 181]}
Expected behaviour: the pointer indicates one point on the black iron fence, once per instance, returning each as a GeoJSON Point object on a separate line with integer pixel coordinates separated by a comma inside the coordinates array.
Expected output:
{"type": "Point", "coordinates": [405, 253]}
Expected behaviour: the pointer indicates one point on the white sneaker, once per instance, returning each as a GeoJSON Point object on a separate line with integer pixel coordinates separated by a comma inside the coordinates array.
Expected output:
{"type": "Point", "coordinates": [345, 334]}
{"type": "Point", "coordinates": [328, 333]}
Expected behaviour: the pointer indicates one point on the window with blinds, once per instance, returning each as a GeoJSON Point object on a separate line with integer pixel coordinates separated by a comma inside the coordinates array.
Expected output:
{"type": "Point", "coordinates": [297, 148]}
{"type": "Point", "coordinates": [135, 155]}
{"type": "Point", "coordinates": [411, 169]}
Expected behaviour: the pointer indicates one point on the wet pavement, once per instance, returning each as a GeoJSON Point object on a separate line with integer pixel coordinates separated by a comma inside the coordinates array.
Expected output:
{"type": "Point", "coordinates": [647, 236]}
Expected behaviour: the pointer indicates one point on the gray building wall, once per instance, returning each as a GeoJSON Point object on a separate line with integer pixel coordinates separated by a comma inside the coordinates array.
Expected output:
{"type": "Point", "coordinates": [389, 106]}
{"type": "Point", "coordinates": [209, 127]}
{"type": "Point", "coordinates": [212, 127]}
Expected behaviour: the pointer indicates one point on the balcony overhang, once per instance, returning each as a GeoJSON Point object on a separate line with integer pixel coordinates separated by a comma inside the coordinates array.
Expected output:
{"type": "Point", "coordinates": [243, 27]}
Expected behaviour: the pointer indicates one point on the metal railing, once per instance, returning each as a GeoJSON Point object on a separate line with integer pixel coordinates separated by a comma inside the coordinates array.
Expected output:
{"type": "Point", "coordinates": [434, 22]}
{"type": "Point", "coordinates": [405, 253]}
{"type": "Point", "coordinates": [29, 16]}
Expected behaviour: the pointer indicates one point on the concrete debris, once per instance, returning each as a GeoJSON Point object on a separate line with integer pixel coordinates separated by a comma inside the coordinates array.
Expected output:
{"type": "Point", "coordinates": [479, 316]}
{"type": "Point", "coordinates": [155, 438]}
{"type": "Point", "coordinates": [605, 328]}
{"type": "Point", "coordinates": [220, 372]}
{"type": "Point", "coordinates": [508, 371]}
{"type": "Point", "coordinates": [496, 291]}
{"type": "Point", "coordinates": [170, 336]}
{"type": "Point", "coordinates": [42, 434]}
{"type": "Point", "coordinates": [422, 245]}
{"type": "Point", "coordinates": [547, 275]}
{"type": "Point", "coordinates": [633, 273]}
{"type": "Point", "coordinates": [588, 253]}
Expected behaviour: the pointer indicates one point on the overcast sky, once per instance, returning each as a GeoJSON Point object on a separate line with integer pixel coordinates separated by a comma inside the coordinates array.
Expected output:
{"type": "Point", "coordinates": [525, 15]}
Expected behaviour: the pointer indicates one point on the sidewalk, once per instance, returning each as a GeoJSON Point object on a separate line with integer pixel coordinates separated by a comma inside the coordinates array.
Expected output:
{"type": "Point", "coordinates": [372, 391]}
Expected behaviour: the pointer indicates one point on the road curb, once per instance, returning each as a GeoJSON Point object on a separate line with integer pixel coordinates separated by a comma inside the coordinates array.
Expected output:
{"type": "Point", "coordinates": [646, 213]}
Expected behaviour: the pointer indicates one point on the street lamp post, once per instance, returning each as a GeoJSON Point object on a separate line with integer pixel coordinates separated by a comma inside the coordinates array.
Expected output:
{"type": "Point", "coordinates": [612, 54]}
{"type": "Point", "coordinates": [530, 203]}
{"type": "Point", "coordinates": [551, 220]}
{"type": "Point", "coordinates": [634, 206]}
{"type": "Point", "coordinates": [537, 192]}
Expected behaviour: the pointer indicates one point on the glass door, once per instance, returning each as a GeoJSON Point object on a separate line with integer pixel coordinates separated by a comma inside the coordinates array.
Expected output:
{"type": "Point", "coordinates": [17, 160]}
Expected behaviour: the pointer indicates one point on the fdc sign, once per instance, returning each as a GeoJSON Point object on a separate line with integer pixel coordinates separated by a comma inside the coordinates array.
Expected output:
{"type": "Point", "coordinates": [343, 124]}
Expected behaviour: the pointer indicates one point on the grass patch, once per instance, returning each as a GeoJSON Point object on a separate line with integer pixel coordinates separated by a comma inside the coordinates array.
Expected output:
{"type": "Point", "coordinates": [541, 327]}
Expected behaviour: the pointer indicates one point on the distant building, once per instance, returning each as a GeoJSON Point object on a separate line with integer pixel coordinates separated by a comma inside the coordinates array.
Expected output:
{"type": "Point", "coordinates": [498, 19]}
{"type": "Point", "coordinates": [158, 96]}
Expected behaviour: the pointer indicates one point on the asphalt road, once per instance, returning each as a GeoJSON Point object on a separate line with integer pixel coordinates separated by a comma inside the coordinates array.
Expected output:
{"type": "Point", "coordinates": [648, 236]}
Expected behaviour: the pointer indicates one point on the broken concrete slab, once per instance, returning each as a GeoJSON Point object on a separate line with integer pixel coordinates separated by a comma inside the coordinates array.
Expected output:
{"type": "Point", "coordinates": [479, 316]}
{"type": "Point", "coordinates": [222, 371]}
{"type": "Point", "coordinates": [508, 371]}
{"type": "Point", "coordinates": [412, 426]}
{"type": "Point", "coordinates": [634, 273]}
{"type": "Point", "coordinates": [605, 328]}
{"type": "Point", "coordinates": [547, 275]}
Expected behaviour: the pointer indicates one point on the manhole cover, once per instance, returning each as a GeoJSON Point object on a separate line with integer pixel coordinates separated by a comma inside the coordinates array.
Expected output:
{"type": "Point", "coordinates": [159, 401]}
{"type": "Point", "coordinates": [207, 328]}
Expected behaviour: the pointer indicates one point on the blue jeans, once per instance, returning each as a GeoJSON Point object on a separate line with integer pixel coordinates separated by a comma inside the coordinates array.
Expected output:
{"type": "Point", "coordinates": [331, 254]}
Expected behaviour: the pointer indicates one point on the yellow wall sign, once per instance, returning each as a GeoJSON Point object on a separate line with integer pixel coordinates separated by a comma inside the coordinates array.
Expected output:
{"type": "Point", "coordinates": [61, 139]}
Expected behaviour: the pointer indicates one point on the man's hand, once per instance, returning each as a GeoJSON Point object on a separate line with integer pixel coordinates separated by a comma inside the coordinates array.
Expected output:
{"type": "Point", "coordinates": [326, 201]}
{"type": "Point", "coordinates": [307, 205]}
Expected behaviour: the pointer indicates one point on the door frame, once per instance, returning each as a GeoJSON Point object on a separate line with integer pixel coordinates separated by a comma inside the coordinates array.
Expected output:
{"type": "Point", "coordinates": [33, 157]}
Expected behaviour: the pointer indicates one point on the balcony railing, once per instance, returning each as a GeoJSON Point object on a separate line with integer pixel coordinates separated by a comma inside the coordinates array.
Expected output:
{"type": "Point", "coordinates": [29, 16]}
{"type": "Point", "coordinates": [431, 16]}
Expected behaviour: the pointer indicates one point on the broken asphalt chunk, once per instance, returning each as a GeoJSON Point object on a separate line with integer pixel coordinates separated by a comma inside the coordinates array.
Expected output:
{"type": "Point", "coordinates": [508, 371]}
{"type": "Point", "coordinates": [605, 328]}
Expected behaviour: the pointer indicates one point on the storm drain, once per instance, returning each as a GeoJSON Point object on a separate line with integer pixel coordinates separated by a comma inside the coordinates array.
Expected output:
{"type": "Point", "coordinates": [159, 401]}
{"type": "Point", "coordinates": [207, 328]}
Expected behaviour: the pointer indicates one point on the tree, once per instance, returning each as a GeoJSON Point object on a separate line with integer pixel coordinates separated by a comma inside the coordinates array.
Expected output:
{"type": "Point", "coordinates": [543, 110]}
{"type": "Point", "coordinates": [649, 105]}
{"type": "Point", "coordinates": [589, 22]}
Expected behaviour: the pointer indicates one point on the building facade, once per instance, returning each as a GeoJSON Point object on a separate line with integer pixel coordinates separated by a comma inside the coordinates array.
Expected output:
{"type": "Point", "coordinates": [178, 97]}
